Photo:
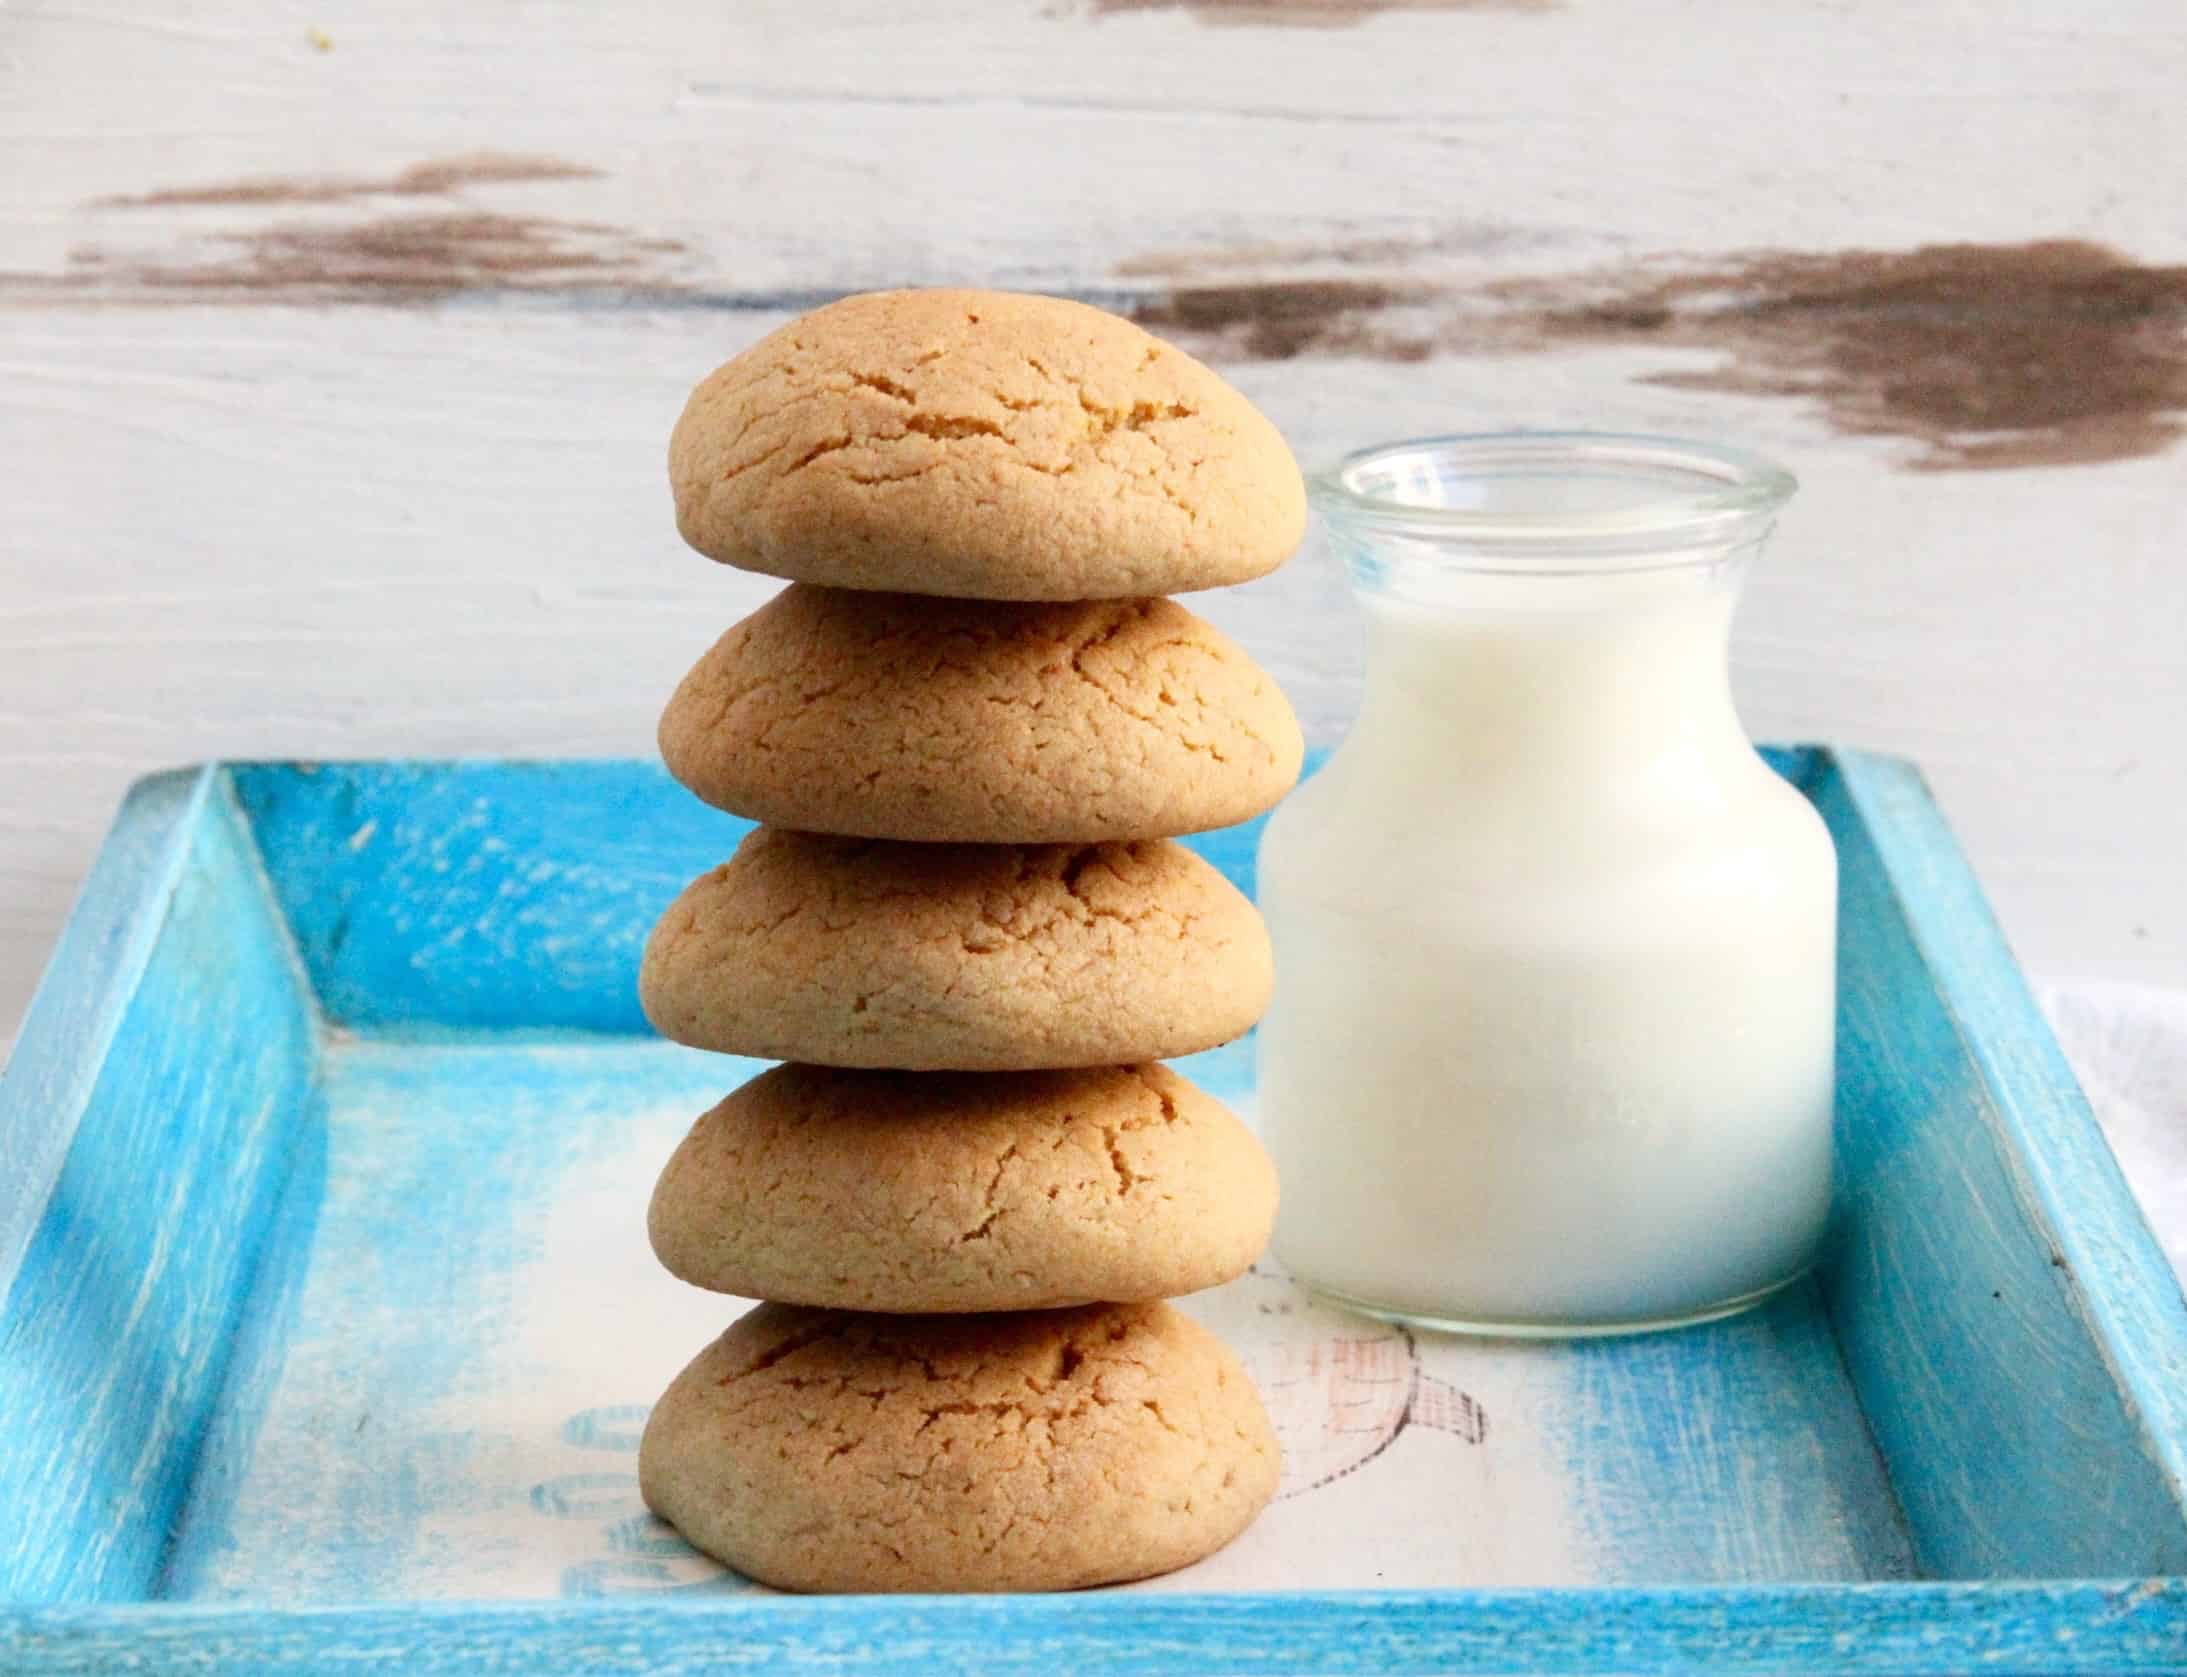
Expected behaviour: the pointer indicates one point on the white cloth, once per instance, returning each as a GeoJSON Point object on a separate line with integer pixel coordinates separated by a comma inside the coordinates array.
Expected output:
{"type": "Point", "coordinates": [2127, 1044]}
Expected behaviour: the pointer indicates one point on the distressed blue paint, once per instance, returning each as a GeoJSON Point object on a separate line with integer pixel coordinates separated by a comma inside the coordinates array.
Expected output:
{"type": "Point", "coordinates": [85, 991]}
{"type": "Point", "coordinates": [479, 895]}
{"type": "Point", "coordinates": [269, 1319]}
{"type": "Point", "coordinates": [437, 896]}
{"type": "Point", "coordinates": [1878, 1630]}
{"type": "Point", "coordinates": [2013, 1330]}
{"type": "Point", "coordinates": [1732, 1453]}
{"type": "Point", "coordinates": [442, 1171]}
{"type": "Point", "coordinates": [170, 1057]}
{"type": "Point", "coordinates": [116, 1332]}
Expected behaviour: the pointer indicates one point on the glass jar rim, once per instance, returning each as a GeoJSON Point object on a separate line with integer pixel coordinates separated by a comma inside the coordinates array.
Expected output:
{"type": "Point", "coordinates": [1691, 498]}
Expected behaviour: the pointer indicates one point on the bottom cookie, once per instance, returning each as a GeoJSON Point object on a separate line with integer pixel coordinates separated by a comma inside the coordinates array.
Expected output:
{"type": "Point", "coordinates": [826, 1450]}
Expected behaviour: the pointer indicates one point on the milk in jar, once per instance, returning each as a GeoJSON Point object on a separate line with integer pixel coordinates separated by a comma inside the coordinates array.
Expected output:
{"type": "Point", "coordinates": [1551, 1045]}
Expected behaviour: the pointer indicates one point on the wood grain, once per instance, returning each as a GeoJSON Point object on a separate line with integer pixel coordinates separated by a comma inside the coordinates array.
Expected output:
{"type": "Point", "coordinates": [1937, 1630]}
{"type": "Point", "coordinates": [96, 969]}
{"type": "Point", "coordinates": [119, 1322]}
{"type": "Point", "coordinates": [1987, 1245]}
{"type": "Point", "coordinates": [1045, 143]}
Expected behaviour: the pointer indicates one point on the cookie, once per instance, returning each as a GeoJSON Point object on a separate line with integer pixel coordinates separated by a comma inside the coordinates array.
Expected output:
{"type": "Point", "coordinates": [983, 445]}
{"type": "Point", "coordinates": [956, 957]}
{"type": "Point", "coordinates": [825, 1450]}
{"type": "Point", "coordinates": [963, 1191]}
{"type": "Point", "coordinates": [898, 716]}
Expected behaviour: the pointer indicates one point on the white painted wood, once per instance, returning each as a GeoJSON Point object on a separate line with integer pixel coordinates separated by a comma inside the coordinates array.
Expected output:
{"type": "Point", "coordinates": [320, 528]}
{"type": "Point", "coordinates": [1031, 141]}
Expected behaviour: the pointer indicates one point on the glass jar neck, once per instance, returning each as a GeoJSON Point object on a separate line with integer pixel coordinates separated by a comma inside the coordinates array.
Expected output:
{"type": "Point", "coordinates": [1503, 677]}
{"type": "Point", "coordinates": [1550, 608]}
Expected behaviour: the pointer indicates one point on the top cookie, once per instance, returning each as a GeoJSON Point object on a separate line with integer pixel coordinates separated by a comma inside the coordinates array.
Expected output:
{"type": "Point", "coordinates": [984, 445]}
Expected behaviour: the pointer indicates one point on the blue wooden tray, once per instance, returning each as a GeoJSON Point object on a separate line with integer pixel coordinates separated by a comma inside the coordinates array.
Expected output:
{"type": "Point", "coordinates": [323, 1156]}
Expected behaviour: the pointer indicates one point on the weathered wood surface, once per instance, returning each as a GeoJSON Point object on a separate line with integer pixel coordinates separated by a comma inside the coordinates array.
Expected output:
{"type": "Point", "coordinates": [339, 354]}
{"type": "Point", "coordinates": [122, 1313]}
{"type": "Point", "coordinates": [1934, 1630]}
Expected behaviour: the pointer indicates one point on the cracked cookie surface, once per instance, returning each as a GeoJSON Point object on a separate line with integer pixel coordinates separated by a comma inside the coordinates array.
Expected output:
{"type": "Point", "coordinates": [905, 717]}
{"type": "Point", "coordinates": [829, 1451]}
{"type": "Point", "coordinates": [985, 445]}
{"type": "Point", "coordinates": [942, 1191]}
{"type": "Point", "coordinates": [956, 957]}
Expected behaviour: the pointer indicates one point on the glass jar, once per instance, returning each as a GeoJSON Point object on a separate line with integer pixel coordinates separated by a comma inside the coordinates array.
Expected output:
{"type": "Point", "coordinates": [1551, 1046]}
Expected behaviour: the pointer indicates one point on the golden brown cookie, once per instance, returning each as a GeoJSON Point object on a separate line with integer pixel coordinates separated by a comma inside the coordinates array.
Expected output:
{"type": "Point", "coordinates": [984, 445]}
{"type": "Point", "coordinates": [898, 716]}
{"type": "Point", "coordinates": [823, 1450]}
{"type": "Point", "coordinates": [956, 957]}
{"type": "Point", "coordinates": [963, 1191]}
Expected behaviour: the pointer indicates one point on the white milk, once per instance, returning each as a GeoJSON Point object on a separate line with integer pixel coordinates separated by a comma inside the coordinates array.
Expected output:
{"type": "Point", "coordinates": [1552, 1036]}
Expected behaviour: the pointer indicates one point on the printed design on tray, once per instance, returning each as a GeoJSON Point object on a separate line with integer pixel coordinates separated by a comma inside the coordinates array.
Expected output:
{"type": "Point", "coordinates": [1340, 1388]}
{"type": "Point", "coordinates": [642, 1553]}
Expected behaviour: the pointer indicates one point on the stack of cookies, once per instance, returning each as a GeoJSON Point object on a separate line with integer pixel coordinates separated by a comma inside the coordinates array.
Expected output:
{"type": "Point", "coordinates": [971, 729]}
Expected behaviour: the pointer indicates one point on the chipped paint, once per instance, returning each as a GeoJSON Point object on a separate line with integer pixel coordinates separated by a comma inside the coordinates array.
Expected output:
{"type": "Point", "coordinates": [1338, 257]}
{"type": "Point", "coordinates": [2056, 352]}
{"type": "Point", "coordinates": [378, 253]}
{"type": "Point", "coordinates": [1275, 320]}
{"type": "Point", "coordinates": [1307, 14]}
{"type": "Point", "coordinates": [388, 259]}
{"type": "Point", "coordinates": [434, 178]}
